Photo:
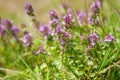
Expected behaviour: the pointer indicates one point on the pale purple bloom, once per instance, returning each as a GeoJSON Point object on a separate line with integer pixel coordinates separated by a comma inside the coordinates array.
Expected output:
{"type": "Point", "coordinates": [59, 30]}
{"type": "Point", "coordinates": [28, 8]}
{"type": "Point", "coordinates": [54, 22]}
{"type": "Point", "coordinates": [109, 38]}
{"type": "Point", "coordinates": [68, 20]}
{"type": "Point", "coordinates": [96, 6]}
{"type": "Point", "coordinates": [40, 50]}
{"type": "Point", "coordinates": [27, 39]}
{"type": "Point", "coordinates": [53, 15]}
{"type": "Point", "coordinates": [67, 34]}
{"type": "Point", "coordinates": [93, 38]}
{"type": "Point", "coordinates": [45, 30]}
{"type": "Point", "coordinates": [6, 23]}
{"type": "Point", "coordinates": [2, 30]}
{"type": "Point", "coordinates": [95, 10]}
{"type": "Point", "coordinates": [15, 30]}
{"type": "Point", "coordinates": [81, 17]}
{"type": "Point", "coordinates": [93, 20]}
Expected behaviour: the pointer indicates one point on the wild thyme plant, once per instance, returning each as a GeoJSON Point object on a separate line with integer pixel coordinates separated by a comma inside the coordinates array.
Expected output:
{"type": "Point", "coordinates": [71, 46]}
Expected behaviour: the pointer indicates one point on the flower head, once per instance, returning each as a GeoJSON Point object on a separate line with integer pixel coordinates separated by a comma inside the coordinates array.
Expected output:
{"type": "Point", "coordinates": [96, 6]}
{"type": "Point", "coordinates": [109, 38]}
{"type": "Point", "coordinates": [27, 39]}
{"type": "Point", "coordinates": [45, 30]}
{"type": "Point", "coordinates": [67, 34]}
{"type": "Point", "coordinates": [54, 22]}
{"type": "Point", "coordinates": [28, 8]}
{"type": "Point", "coordinates": [59, 30]}
{"type": "Point", "coordinates": [68, 20]}
{"type": "Point", "coordinates": [6, 24]}
{"type": "Point", "coordinates": [81, 17]}
{"type": "Point", "coordinates": [2, 30]}
{"type": "Point", "coordinates": [53, 15]}
{"type": "Point", "coordinates": [93, 38]}
{"type": "Point", "coordinates": [95, 10]}
{"type": "Point", "coordinates": [15, 30]}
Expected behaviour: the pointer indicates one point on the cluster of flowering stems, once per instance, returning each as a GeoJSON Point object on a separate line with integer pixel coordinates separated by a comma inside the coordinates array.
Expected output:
{"type": "Point", "coordinates": [7, 28]}
{"type": "Point", "coordinates": [59, 27]}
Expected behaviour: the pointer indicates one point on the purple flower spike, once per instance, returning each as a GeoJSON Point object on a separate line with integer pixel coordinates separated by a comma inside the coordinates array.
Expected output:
{"type": "Point", "coordinates": [45, 30]}
{"type": "Point", "coordinates": [109, 38]}
{"type": "Point", "coordinates": [68, 20]}
{"type": "Point", "coordinates": [81, 17]}
{"type": "Point", "coordinates": [2, 30]}
{"type": "Point", "coordinates": [53, 15]}
{"type": "Point", "coordinates": [6, 24]}
{"type": "Point", "coordinates": [27, 39]}
{"type": "Point", "coordinates": [96, 6]}
{"type": "Point", "coordinates": [93, 38]}
{"type": "Point", "coordinates": [28, 8]}
{"type": "Point", "coordinates": [54, 22]}
{"type": "Point", "coordinates": [15, 30]}
{"type": "Point", "coordinates": [59, 30]}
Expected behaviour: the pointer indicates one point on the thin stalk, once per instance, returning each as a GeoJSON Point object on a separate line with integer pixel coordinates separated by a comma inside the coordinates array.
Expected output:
{"type": "Point", "coordinates": [28, 68]}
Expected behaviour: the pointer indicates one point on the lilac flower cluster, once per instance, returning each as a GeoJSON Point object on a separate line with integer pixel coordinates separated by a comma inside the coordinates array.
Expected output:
{"type": "Point", "coordinates": [95, 10]}
{"type": "Point", "coordinates": [53, 15]}
{"type": "Point", "coordinates": [81, 18]}
{"type": "Point", "coordinates": [28, 8]}
{"type": "Point", "coordinates": [27, 39]}
{"type": "Point", "coordinates": [6, 23]}
{"type": "Point", "coordinates": [63, 36]}
{"type": "Point", "coordinates": [15, 30]}
{"type": "Point", "coordinates": [2, 30]}
{"type": "Point", "coordinates": [109, 38]}
{"type": "Point", "coordinates": [62, 29]}
{"type": "Point", "coordinates": [54, 19]}
{"type": "Point", "coordinates": [92, 16]}
{"type": "Point", "coordinates": [59, 30]}
{"type": "Point", "coordinates": [56, 27]}
{"type": "Point", "coordinates": [45, 31]}
{"type": "Point", "coordinates": [68, 20]}
{"type": "Point", "coordinates": [7, 26]}
{"type": "Point", "coordinates": [96, 7]}
{"type": "Point", "coordinates": [94, 38]}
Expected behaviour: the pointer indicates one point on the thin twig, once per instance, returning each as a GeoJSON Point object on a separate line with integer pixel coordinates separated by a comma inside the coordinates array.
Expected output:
{"type": "Point", "coordinates": [109, 67]}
